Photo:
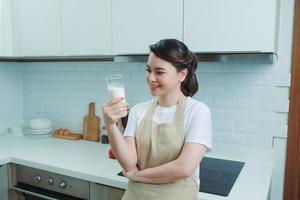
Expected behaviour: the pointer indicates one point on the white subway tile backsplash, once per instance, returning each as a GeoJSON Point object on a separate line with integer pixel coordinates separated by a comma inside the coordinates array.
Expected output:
{"type": "Point", "coordinates": [260, 140]}
{"type": "Point", "coordinates": [246, 127]}
{"type": "Point", "coordinates": [68, 91]}
{"type": "Point", "coordinates": [11, 98]}
{"type": "Point", "coordinates": [137, 76]}
{"type": "Point", "coordinates": [263, 92]}
{"type": "Point", "coordinates": [132, 86]}
{"type": "Point", "coordinates": [227, 78]}
{"type": "Point", "coordinates": [222, 125]}
{"type": "Point", "coordinates": [210, 67]}
{"type": "Point", "coordinates": [236, 91]}
{"type": "Point", "coordinates": [244, 67]}
{"type": "Point", "coordinates": [275, 105]}
{"type": "Point", "coordinates": [249, 104]}
{"type": "Point", "coordinates": [239, 94]}
{"type": "Point", "coordinates": [212, 90]}
{"type": "Point", "coordinates": [217, 114]}
{"type": "Point", "coordinates": [206, 78]}
{"type": "Point", "coordinates": [235, 138]}
{"type": "Point", "coordinates": [283, 92]}
{"type": "Point", "coordinates": [224, 102]}
{"type": "Point", "coordinates": [218, 136]}
{"type": "Point", "coordinates": [274, 129]}
{"type": "Point", "coordinates": [262, 116]}
{"type": "Point", "coordinates": [281, 118]}
{"type": "Point", "coordinates": [278, 79]}
{"type": "Point", "coordinates": [205, 99]}
{"type": "Point", "coordinates": [236, 115]}
{"type": "Point", "coordinates": [246, 99]}
{"type": "Point", "coordinates": [250, 79]}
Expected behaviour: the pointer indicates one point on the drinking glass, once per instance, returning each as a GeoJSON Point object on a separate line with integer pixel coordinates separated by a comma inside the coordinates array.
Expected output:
{"type": "Point", "coordinates": [115, 86]}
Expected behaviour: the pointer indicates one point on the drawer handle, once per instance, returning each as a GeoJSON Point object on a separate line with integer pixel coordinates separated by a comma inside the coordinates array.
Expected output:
{"type": "Point", "coordinates": [33, 193]}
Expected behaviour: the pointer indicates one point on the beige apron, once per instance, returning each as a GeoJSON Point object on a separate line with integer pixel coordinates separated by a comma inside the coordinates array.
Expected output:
{"type": "Point", "coordinates": [158, 144]}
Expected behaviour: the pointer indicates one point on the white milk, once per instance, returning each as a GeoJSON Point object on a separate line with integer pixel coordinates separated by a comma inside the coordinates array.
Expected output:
{"type": "Point", "coordinates": [115, 92]}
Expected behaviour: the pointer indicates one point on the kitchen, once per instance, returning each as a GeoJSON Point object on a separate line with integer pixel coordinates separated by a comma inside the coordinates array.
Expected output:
{"type": "Point", "coordinates": [51, 68]}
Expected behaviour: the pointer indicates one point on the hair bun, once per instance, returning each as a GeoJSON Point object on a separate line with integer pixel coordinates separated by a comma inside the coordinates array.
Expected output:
{"type": "Point", "coordinates": [192, 61]}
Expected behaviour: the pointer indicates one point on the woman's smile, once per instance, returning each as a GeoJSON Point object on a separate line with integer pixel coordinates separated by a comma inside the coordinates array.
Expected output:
{"type": "Point", "coordinates": [153, 86]}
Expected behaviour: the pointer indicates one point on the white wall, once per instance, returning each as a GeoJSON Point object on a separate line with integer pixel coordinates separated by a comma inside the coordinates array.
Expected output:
{"type": "Point", "coordinates": [62, 91]}
{"type": "Point", "coordinates": [11, 96]}
{"type": "Point", "coordinates": [249, 101]}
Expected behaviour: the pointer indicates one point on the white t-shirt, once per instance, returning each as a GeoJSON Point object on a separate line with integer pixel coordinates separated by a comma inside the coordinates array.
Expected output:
{"type": "Point", "coordinates": [197, 122]}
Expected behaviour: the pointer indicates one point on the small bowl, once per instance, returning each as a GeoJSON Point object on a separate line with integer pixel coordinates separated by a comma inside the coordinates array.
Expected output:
{"type": "Point", "coordinates": [41, 123]}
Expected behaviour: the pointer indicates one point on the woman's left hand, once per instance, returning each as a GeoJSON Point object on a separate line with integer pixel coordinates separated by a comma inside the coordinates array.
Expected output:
{"type": "Point", "coordinates": [131, 175]}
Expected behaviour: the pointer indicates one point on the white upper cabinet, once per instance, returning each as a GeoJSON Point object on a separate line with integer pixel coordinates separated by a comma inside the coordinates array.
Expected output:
{"type": "Point", "coordinates": [40, 27]}
{"type": "Point", "coordinates": [231, 25]}
{"type": "Point", "coordinates": [125, 27]}
{"type": "Point", "coordinates": [6, 41]}
{"type": "Point", "coordinates": [139, 23]}
{"type": "Point", "coordinates": [86, 27]}
{"type": "Point", "coordinates": [2, 47]}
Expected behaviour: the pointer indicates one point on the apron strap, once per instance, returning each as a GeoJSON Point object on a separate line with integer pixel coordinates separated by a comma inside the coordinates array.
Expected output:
{"type": "Point", "coordinates": [151, 109]}
{"type": "Point", "coordinates": [179, 117]}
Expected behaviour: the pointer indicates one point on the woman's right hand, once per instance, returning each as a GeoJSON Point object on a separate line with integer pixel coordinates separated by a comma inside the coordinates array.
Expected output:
{"type": "Point", "coordinates": [114, 110]}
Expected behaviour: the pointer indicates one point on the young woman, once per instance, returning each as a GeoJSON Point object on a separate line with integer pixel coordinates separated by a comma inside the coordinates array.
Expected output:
{"type": "Point", "coordinates": [166, 137]}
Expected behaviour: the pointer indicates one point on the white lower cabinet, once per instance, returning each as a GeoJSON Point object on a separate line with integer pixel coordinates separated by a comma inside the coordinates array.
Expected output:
{"type": "Point", "coordinates": [104, 192]}
{"type": "Point", "coordinates": [3, 182]}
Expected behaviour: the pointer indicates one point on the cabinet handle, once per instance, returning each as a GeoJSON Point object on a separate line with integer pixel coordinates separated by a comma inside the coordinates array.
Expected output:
{"type": "Point", "coordinates": [33, 194]}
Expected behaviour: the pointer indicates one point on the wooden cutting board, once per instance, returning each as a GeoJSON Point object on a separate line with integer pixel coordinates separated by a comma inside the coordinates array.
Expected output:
{"type": "Point", "coordinates": [91, 125]}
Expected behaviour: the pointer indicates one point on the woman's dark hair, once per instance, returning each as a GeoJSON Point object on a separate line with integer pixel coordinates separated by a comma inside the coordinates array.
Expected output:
{"type": "Point", "coordinates": [178, 54]}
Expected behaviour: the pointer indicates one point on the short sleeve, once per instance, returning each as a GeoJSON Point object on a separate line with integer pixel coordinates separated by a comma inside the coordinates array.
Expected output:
{"type": "Point", "coordinates": [131, 123]}
{"type": "Point", "coordinates": [199, 129]}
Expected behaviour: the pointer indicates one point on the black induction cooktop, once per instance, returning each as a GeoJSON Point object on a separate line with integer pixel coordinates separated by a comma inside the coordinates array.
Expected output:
{"type": "Point", "coordinates": [217, 176]}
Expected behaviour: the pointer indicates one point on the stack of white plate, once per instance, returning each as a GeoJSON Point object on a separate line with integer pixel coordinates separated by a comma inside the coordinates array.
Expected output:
{"type": "Point", "coordinates": [39, 128]}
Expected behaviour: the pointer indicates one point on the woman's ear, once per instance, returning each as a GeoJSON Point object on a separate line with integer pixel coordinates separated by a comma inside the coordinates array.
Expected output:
{"type": "Point", "coordinates": [182, 74]}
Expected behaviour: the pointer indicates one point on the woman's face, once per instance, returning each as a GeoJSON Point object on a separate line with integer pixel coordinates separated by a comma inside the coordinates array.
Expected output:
{"type": "Point", "coordinates": [162, 76]}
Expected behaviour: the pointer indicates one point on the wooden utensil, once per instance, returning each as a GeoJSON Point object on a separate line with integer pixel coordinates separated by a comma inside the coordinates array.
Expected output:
{"type": "Point", "coordinates": [91, 125]}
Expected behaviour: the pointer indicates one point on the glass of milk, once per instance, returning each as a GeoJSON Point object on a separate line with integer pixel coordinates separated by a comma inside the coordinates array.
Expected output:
{"type": "Point", "coordinates": [115, 86]}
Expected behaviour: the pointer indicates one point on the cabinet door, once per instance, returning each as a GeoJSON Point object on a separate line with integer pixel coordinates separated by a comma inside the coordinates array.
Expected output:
{"type": "Point", "coordinates": [86, 27]}
{"type": "Point", "coordinates": [3, 182]}
{"type": "Point", "coordinates": [2, 47]}
{"type": "Point", "coordinates": [7, 30]}
{"type": "Point", "coordinates": [139, 23]}
{"type": "Point", "coordinates": [40, 27]}
{"type": "Point", "coordinates": [230, 26]}
{"type": "Point", "coordinates": [103, 192]}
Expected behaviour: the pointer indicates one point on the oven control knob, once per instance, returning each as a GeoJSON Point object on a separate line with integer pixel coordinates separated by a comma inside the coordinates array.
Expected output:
{"type": "Point", "coordinates": [50, 181]}
{"type": "Point", "coordinates": [62, 184]}
{"type": "Point", "coordinates": [38, 179]}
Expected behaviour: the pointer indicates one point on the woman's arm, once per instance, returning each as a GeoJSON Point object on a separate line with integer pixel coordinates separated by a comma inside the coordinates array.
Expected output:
{"type": "Point", "coordinates": [183, 167]}
{"type": "Point", "coordinates": [124, 149]}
